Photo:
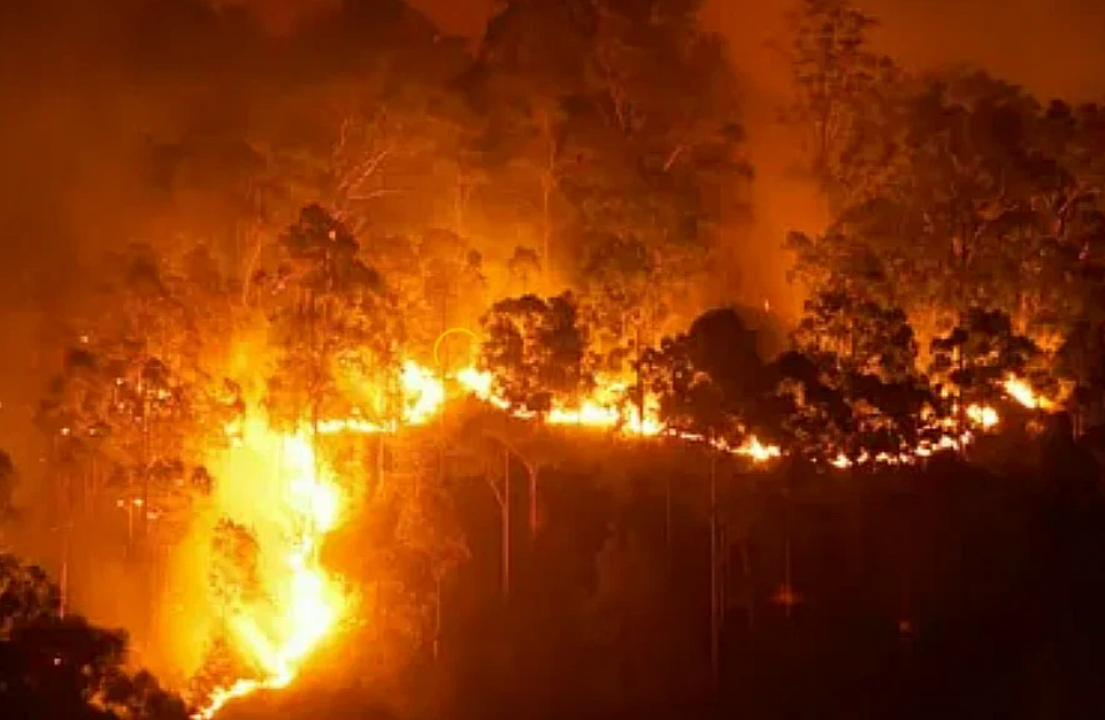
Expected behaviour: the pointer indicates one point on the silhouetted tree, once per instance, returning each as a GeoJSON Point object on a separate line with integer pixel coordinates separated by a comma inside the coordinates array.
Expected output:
{"type": "Point", "coordinates": [537, 350]}
{"type": "Point", "coordinates": [54, 666]}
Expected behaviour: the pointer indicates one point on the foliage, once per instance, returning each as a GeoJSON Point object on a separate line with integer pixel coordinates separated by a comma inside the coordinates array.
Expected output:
{"type": "Point", "coordinates": [843, 101]}
{"type": "Point", "coordinates": [707, 380]}
{"type": "Point", "coordinates": [536, 350]}
{"type": "Point", "coordinates": [979, 354]}
{"type": "Point", "coordinates": [329, 312]}
{"type": "Point", "coordinates": [54, 666]}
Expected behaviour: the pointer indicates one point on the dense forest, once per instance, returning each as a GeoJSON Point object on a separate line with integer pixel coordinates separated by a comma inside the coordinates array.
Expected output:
{"type": "Point", "coordinates": [403, 378]}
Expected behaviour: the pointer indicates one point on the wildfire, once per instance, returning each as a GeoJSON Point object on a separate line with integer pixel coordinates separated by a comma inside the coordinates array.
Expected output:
{"type": "Point", "coordinates": [1023, 393]}
{"type": "Point", "coordinates": [606, 409]}
{"type": "Point", "coordinates": [292, 502]}
{"type": "Point", "coordinates": [423, 393]}
{"type": "Point", "coordinates": [983, 416]}
{"type": "Point", "coordinates": [275, 485]}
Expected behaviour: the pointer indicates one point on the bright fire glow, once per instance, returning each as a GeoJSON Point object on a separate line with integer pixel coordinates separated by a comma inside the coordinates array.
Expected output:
{"type": "Point", "coordinates": [606, 408]}
{"type": "Point", "coordinates": [982, 416]}
{"type": "Point", "coordinates": [275, 486]}
{"type": "Point", "coordinates": [423, 394]}
{"type": "Point", "coordinates": [1023, 393]}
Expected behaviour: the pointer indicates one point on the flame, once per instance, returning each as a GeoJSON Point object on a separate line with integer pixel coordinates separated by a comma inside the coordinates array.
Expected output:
{"type": "Point", "coordinates": [983, 416]}
{"type": "Point", "coordinates": [606, 408]}
{"type": "Point", "coordinates": [1023, 393]}
{"type": "Point", "coordinates": [292, 504]}
{"type": "Point", "coordinates": [423, 393]}
{"type": "Point", "coordinates": [753, 448]}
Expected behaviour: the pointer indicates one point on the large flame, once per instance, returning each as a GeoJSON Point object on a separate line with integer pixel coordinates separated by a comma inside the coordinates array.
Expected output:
{"type": "Point", "coordinates": [273, 484]}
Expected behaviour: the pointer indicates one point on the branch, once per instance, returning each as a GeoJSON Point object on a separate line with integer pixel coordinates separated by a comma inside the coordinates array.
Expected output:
{"type": "Point", "coordinates": [679, 149]}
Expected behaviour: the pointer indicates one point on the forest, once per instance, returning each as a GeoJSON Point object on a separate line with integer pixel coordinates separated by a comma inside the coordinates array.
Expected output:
{"type": "Point", "coordinates": [398, 376]}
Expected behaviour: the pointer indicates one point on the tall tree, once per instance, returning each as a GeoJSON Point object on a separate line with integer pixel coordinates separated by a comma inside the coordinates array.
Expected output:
{"type": "Point", "coordinates": [536, 350]}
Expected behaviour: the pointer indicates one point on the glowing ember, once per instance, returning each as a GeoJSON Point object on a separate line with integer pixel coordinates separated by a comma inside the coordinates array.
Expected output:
{"type": "Point", "coordinates": [276, 486]}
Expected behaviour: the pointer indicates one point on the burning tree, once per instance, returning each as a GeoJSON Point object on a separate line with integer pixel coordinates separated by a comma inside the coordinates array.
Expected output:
{"type": "Point", "coordinates": [976, 357]}
{"type": "Point", "coordinates": [859, 365]}
{"type": "Point", "coordinates": [329, 311]}
{"type": "Point", "coordinates": [536, 349]}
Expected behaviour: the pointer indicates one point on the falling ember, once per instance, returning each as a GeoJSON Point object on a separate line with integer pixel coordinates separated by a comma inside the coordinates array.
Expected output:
{"type": "Point", "coordinates": [275, 486]}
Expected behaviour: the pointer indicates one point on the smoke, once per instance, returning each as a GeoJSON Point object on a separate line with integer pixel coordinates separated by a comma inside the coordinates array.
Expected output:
{"type": "Point", "coordinates": [84, 87]}
{"type": "Point", "coordinates": [281, 17]}
{"type": "Point", "coordinates": [1052, 48]}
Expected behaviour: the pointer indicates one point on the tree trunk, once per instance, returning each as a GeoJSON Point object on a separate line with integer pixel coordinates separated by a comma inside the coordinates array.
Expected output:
{"type": "Point", "coordinates": [505, 505]}
{"type": "Point", "coordinates": [533, 502]}
{"type": "Point", "coordinates": [667, 524]}
{"type": "Point", "coordinates": [437, 616]}
{"type": "Point", "coordinates": [144, 519]}
{"type": "Point", "coordinates": [749, 591]}
{"type": "Point", "coordinates": [715, 619]}
{"type": "Point", "coordinates": [546, 232]}
{"type": "Point", "coordinates": [63, 584]}
{"type": "Point", "coordinates": [640, 384]}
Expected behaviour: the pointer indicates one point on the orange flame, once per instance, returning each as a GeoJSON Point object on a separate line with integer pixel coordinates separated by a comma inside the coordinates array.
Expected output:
{"type": "Point", "coordinates": [1023, 393]}
{"type": "Point", "coordinates": [605, 408]}
{"type": "Point", "coordinates": [289, 506]}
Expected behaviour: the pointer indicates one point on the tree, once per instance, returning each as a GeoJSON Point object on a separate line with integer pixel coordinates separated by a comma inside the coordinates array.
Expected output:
{"type": "Point", "coordinates": [708, 379]}
{"type": "Point", "coordinates": [7, 484]}
{"type": "Point", "coordinates": [612, 122]}
{"type": "Point", "coordinates": [330, 312]}
{"type": "Point", "coordinates": [54, 666]}
{"type": "Point", "coordinates": [537, 351]}
{"type": "Point", "coordinates": [857, 336]}
{"type": "Point", "coordinates": [624, 298]}
{"type": "Point", "coordinates": [811, 415]}
{"type": "Point", "coordinates": [866, 354]}
{"type": "Point", "coordinates": [841, 89]}
{"type": "Point", "coordinates": [524, 264]}
{"type": "Point", "coordinates": [989, 206]}
{"type": "Point", "coordinates": [977, 356]}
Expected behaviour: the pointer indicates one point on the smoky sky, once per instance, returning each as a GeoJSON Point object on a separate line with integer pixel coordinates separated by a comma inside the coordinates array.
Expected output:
{"type": "Point", "coordinates": [79, 98]}
{"type": "Point", "coordinates": [1051, 47]}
